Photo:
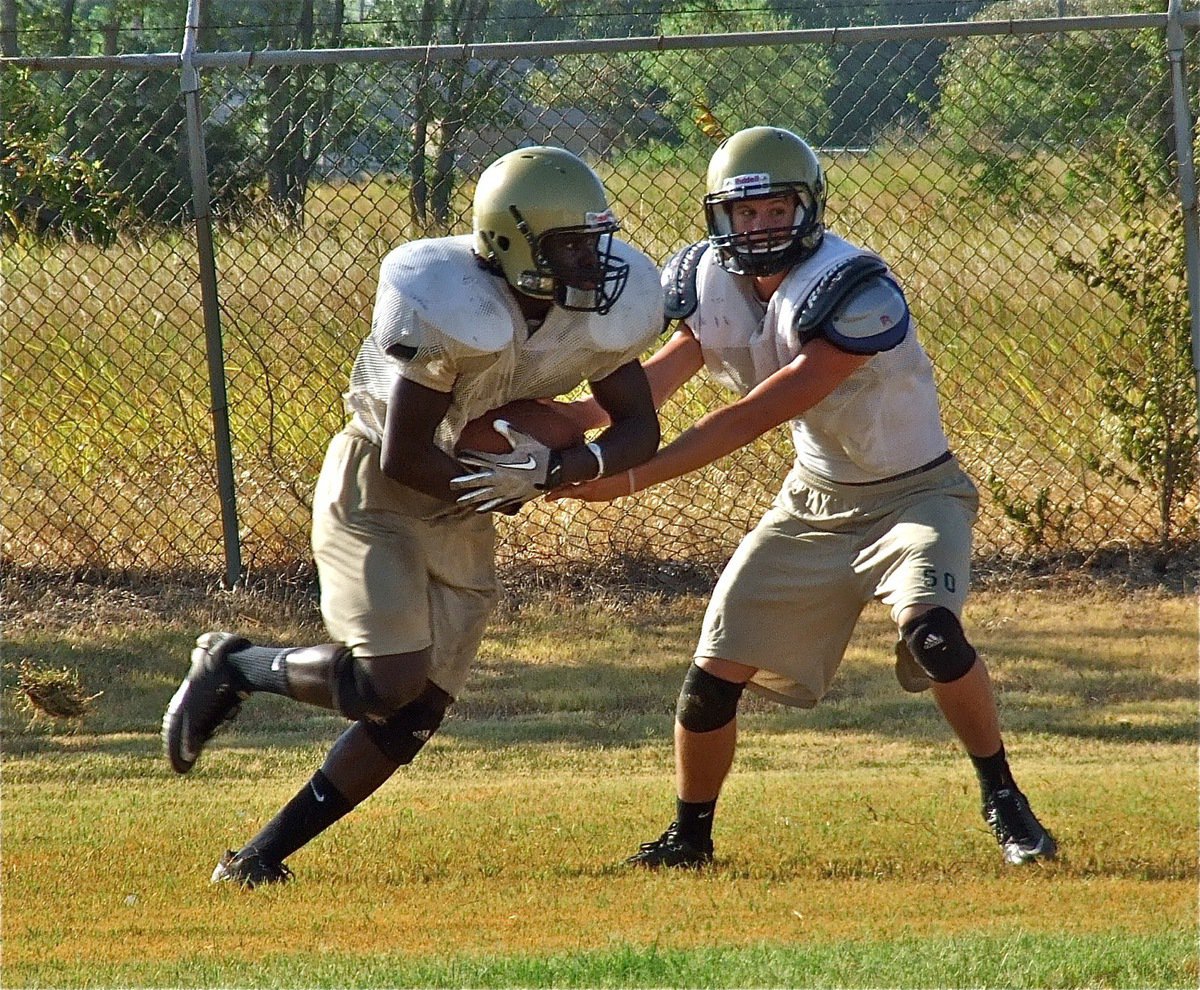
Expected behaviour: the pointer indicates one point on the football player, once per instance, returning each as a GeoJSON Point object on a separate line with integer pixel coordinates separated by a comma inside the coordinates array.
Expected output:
{"type": "Point", "coordinates": [809, 329]}
{"type": "Point", "coordinates": [541, 297]}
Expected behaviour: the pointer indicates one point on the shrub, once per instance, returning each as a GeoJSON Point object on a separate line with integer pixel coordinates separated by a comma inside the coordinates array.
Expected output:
{"type": "Point", "coordinates": [47, 194]}
{"type": "Point", "coordinates": [1149, 388]}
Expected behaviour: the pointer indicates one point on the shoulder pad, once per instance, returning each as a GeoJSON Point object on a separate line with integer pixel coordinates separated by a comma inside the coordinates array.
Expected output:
{"type": "Point", "coordinates": [636, 318]}
{"type": "Point", "coordinates": [872, 317]}
{"type": "Point", "coordinates": [432, 290]}
{"type": "Point", "coordinates": [857, 307]}
{"type": "Point", "coordinates": [679, 282]}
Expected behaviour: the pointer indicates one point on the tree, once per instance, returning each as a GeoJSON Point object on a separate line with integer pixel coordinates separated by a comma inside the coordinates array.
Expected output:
{"type": "Point", "coordinates": [708, 96]}
{"type": "Point", "coordinates": [1006, 96]}
{"type": "Point", "coordinates": [299, 101]}
{"type": "Point", "coordinates": [9, 48]}
{"type": "Point", "coordinates": [878, 83]}
{"type": "Point", "coordinates": [44, 192]}
{"type": "Point", "coordinates": [446, 97]}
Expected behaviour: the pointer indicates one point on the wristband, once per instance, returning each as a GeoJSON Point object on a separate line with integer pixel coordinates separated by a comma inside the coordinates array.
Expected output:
{"type": "Point", "coordinates": [595, 449]}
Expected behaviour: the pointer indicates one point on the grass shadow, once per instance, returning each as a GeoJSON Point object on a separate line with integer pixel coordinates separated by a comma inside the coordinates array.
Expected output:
{"type": "Point", "coordinates": [562, 674]}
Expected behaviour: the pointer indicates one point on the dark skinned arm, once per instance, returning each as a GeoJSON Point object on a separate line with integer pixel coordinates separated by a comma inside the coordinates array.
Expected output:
{"type": "Point", "coordinates": [632, 438]}
{"type": "Point", "coordinates": [409, 454]}
{"type": "Point", "coordinates": [411, 457]}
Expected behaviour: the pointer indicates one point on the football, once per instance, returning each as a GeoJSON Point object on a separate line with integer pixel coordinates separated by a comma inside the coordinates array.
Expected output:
{"type": "Point", "coordinates": [541, 419]}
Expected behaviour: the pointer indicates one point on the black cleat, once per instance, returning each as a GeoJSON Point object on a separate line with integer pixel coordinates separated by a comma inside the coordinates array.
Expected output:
{"type": "Point", "coordinates": [672, 850]}
{"type": "Point", "coordinates": [208, 696]}
{"type": "Point", "coordinates": [1021, 836]}
{"type": "Point", "coordinates": [249, 870]}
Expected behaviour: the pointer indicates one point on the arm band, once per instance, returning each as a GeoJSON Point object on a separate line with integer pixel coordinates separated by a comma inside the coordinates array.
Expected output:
{"type": "Point", "coordinates": [595, 449]}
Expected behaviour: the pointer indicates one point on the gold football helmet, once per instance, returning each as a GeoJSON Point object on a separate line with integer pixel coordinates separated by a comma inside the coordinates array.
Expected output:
{"type": "Point", "coordinates": [542, 218]}
{"type": "Point", "coordinates": [760, 163]}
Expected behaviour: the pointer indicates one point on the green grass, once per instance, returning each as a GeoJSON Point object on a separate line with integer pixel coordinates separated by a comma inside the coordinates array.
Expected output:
{"type": "Point", "coordinates": [849, 845]}
{"type": "Point", "coordinates": [1016, 962]}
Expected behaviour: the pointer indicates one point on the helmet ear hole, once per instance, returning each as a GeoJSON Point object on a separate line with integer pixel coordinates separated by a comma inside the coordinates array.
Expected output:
{"type": "Point", "coordinates": [502, 242]}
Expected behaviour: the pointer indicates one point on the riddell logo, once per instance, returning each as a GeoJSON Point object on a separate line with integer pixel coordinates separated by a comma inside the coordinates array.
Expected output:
{"type": "Point", "coordinates": [747, 182]}
{"type": "Point", "coordinates": [599, 219]}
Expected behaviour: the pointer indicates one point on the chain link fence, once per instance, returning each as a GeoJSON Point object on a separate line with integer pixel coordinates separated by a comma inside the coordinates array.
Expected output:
{"type": "Point", "coordinates": [1023, 183]}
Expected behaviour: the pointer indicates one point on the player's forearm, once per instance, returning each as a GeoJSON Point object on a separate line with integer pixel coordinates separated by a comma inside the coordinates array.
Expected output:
{"type": "Point", "coordinates": [666, 371]}
{"type": "Point", "coordinates": [628, 442]}
{"type": "Point", "coordinates": [428, 470]}
{"type": "Point", "coordinates": [586, 413]}
{"type": "Point", "coordinates": [713, 436]}
{"type": "Point", "coordinates": [408, 454]}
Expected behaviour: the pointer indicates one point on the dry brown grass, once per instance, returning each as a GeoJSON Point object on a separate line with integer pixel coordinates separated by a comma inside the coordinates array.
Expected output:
{"type": "Point", "coordinates": [109, 456]}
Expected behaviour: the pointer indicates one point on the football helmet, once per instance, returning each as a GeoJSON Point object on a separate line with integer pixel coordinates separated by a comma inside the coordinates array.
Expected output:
{"type": "Point", "coordinates": [541, 217]}
{"type": "Point", "coordinates": [764, 163]}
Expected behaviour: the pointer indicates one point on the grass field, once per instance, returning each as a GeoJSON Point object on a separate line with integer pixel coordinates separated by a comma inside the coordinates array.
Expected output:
{"type": "Point", "coordinates": [850, 851]}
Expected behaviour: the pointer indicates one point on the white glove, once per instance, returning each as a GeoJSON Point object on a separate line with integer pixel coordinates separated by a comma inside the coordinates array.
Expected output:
{"type": "Point", "coordinates": [507, 481]}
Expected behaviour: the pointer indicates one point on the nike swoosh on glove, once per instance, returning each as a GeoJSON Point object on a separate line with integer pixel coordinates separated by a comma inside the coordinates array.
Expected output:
{"type": "Point", "coordinates": [505, 481]}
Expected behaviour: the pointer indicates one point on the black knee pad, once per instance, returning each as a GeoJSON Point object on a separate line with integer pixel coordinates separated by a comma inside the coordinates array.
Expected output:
{"type": "Point", "coordinates": [706, 702]}
{"type": "Point", "coordinates": [401, 735]}
{"type": "Point", "coordinates": [937, 642]}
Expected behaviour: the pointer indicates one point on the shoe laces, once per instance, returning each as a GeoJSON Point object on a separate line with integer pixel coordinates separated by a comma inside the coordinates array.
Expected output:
{"type": "Point", "coordinates": [252, 868]}
{"type": "Point", "coordinates": [1010, 816]}
{"type": "Point", "coordinates": [670, 837]}
{"type": "Point", "coordinates": [278, 871]}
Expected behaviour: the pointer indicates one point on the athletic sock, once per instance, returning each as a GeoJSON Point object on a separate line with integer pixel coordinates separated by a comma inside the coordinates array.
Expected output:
{"type": "Point", "coordinates": [993, 772]}
{"type": "Point", "coordinates": [262, 668]}
{"type": "Point", "coordinates": [316, 806]}
{"type": "Point", "coordinates": [695, 820]}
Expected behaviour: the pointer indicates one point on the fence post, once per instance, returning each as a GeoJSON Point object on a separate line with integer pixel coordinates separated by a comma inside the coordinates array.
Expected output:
{"type": "Point", "coordinates": [189, 84]}
{"type": "Point", "coordinates": [1185, 157]}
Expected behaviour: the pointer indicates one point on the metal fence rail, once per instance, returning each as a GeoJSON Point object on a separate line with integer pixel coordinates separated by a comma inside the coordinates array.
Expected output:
{"type": "Point", "coordinates": [1031, 182]}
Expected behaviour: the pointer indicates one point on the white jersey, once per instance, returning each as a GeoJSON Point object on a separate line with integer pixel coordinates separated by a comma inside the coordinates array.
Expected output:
{"type": "Point", "coordinates": [443, 321]}
{"type": "Point", "coordinates": [881, 421]}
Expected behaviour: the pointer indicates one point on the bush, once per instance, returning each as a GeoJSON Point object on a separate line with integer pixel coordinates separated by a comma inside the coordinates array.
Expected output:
{"type": "Point", "coordinates": [1149, 385]}
{"type": "Point", "coordinates": [45, 194]}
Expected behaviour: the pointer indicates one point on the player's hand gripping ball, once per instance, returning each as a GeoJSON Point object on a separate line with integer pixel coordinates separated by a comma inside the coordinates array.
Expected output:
{"type": "Point", "coordinates": [511, 452]}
